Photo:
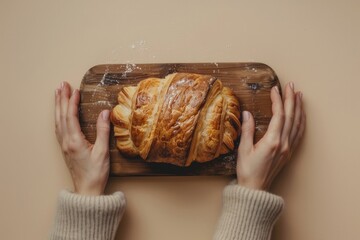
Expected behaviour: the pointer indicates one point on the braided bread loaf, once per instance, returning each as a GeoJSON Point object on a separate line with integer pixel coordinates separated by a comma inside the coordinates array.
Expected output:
{"type": "Point", "coordinates": [182, 118]}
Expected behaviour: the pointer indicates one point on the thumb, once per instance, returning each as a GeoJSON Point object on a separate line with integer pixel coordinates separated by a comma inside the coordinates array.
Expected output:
{"type": "Point", "coordinates": [247, 132]}
{"type": "Point", "coordinates": [102, 131]}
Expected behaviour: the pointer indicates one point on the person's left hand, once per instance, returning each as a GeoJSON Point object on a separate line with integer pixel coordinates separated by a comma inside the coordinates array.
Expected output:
{"type": "Point", "coordinates": [88, 163]}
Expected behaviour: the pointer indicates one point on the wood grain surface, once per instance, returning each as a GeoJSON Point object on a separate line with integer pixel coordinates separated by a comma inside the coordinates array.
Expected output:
{"type": "Point", "coordinates": [251, 83]}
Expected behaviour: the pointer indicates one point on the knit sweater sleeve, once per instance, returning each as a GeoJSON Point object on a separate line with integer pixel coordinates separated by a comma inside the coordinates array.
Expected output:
{"type": "Point", "coordinates": [247, 214]}
{"type": "Point", "coordinates": [87, 217]}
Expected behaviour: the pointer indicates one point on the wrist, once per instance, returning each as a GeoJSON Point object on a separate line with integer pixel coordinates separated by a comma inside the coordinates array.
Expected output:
{"type": "Point", "coordinates": [251, 184]}
{"type": "Point", "coordinates": [89, 190]}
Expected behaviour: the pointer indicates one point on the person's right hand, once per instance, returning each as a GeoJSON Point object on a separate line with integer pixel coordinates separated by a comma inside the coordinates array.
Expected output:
{"type": "Point", "coordinates": [258, 165]}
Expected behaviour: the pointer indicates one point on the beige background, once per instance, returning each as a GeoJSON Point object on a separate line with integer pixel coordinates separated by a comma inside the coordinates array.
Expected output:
{"type": "Point", "coordinates": [316, 44]}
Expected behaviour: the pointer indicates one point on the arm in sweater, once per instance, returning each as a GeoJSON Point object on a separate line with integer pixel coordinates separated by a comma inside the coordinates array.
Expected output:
{"type": "Point", "coordinates": [247, 214]}
{"type": "Point", "coordinates": [88, 217]}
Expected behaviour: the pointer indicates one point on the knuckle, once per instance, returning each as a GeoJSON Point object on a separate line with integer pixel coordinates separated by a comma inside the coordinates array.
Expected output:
{"type": "Point", "coordinates": [290, 117]}
{"type": "Point", "coordinates": [298, 125]}
{"type": "Point", "coordinates": [300, 134]}
{"type": "Point", "coordinates": [274, 144]}
{"type": "Point", "coordinates": [68, 118]}
{"type": "Point", "coordinates": [281, 115]}
{"type": "Point", "coordinates": [58, 137]}
{"type": "Point", "coordinates": [57, 131]}
{"type": "Point", "coordinates": [73, 144]}
{"type": "Point", "coordinates": [71, 148]}
{"type": "Point", "coordinates": [70, 145]}
{"type": "Point", "coordinates": [62, 115]}
{"type": "Point", "coordinates": [246, 130]}
{"type": "Point", "coordinates": [104, 128]}
{"type": "Point", "coordinates": [285, 150]}
{"type": "Point", "coordinates": [65, 147]}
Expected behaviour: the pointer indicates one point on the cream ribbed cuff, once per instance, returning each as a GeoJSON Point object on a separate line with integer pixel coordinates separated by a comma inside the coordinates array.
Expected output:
{"type": "Point", "coordinates": [247, 214]}
{"type": "Point", "coordinates": [88, 217]}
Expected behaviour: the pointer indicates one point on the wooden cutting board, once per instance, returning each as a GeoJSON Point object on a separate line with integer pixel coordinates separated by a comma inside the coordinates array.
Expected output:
{"type": "Point", "coordinates": [251, 83]}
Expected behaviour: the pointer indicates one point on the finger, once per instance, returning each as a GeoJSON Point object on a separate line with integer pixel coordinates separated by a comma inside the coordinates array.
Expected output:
{"type": "Point", "coordinates": [289, 109]}
{"type": "Point", "coordinates": [102, 133]}
{"type": "Point", "coordinates": [273, 133]}
{"type": "Point", "coordinates": [57, 114]}
{"type": "Point", "coordinates": [64, 103]}
{"type": "Point", "coordinates": [299, 127]}
{"type": "Point", "coordinates": [297, 118]}
{"type": "Point", "coordinates": [72, 114]}
{"type": "Point", "coordinates": [247, 132]}
{"type": "Point", "coordinates": [301, 131]}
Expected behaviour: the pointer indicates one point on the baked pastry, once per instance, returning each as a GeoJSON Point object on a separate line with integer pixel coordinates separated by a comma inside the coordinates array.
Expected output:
{"type": "Point", "coordinates": [179, 119]}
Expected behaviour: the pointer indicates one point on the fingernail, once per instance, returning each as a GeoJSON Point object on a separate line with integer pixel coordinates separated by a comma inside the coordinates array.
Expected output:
{"type": "Point", "coordinates": [62, 85]}
{"type": "Point", "coordinates": [105, 115]}
{"type": "Point", "coordinates": [73, 92]}
{"type": "Point", "coordinates": [300, 95]}
{"type": "Point", "coordinates": [57, 91]}
{"type": "Point", "coordinates": [291, 85]}
{"type": "Point", "coordinates": [277, 89]}
{"type": "Point", "coordinates": [246, 116]}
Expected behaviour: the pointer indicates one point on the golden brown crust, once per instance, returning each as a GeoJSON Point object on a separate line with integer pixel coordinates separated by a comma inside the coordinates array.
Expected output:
{"type": "Point", "coordinates": [232, 125]}
{"type": "Point", "coordinates": [145, 109]}
{"type": "Point", "coordinates": [120, 117]}
{"type": "Point", "coordinates": [180, 119]}
{"type": "Point", "coordinates": [207, 134]}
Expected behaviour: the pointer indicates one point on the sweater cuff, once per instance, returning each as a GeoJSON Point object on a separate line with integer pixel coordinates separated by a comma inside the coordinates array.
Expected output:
{"type": "Point", "coordinates": [88, 217]}
{"type": "Point", "coordinates": [247, 213]}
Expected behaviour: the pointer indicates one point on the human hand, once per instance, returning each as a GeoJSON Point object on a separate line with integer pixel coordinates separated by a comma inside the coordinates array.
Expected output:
{"type": "Point", "coordinates": [88, 163]}
{"type": "Point", "coordinates": [258, 165]}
